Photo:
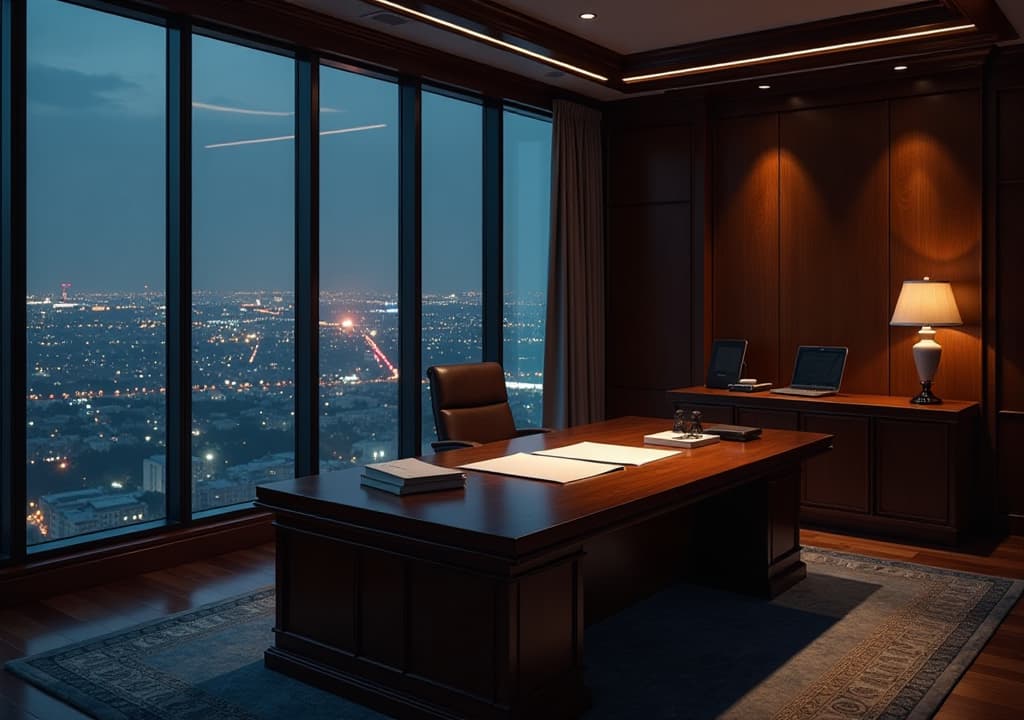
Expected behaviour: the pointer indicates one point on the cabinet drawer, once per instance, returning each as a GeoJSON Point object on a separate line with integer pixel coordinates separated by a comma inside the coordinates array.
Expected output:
{"type": "Point", "coordinates": [841, 478]}
{"type": "Point", "coordinates": [774, 419]}
{"type": "Point", "coordinates": [912, 470]}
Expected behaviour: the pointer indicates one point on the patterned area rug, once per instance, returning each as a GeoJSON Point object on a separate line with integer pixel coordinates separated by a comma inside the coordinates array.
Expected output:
{"type": "Point", "coordinates": [859, 638]}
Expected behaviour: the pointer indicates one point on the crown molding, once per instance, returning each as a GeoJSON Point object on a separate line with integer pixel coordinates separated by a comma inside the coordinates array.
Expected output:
{"type": "Point", "coordinates": [351, 44]}
{"type": "Point", "coordinates": [795, 37]}
{"type": "Point", "coordinates": [505, 24]}
{"type": "Point", "coordinates": [346, 41]}
{"type": "Point", "coordinates": [986, 15]}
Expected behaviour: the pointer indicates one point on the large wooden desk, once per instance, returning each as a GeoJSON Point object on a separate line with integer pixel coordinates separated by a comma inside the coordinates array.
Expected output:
{"type": "Point", "coordinates": [472, 603]}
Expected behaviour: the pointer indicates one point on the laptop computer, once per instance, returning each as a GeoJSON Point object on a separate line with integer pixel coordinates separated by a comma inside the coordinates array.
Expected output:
{"type": "Point", "coordinates": [817, 372]}
{"type": "Point", "coordinates": [727, 359]}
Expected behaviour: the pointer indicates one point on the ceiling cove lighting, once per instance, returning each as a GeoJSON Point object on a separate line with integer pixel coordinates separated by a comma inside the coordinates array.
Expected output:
{"type": "Point", "coordinates": [488, 39]}
{"type": "Point", "coordinates": [796, 53]}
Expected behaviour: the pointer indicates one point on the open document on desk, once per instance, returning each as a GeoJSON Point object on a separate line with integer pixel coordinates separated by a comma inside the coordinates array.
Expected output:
{"type": "Point", "coordinates": [542, 467]}
{"type": "Point", "coordinates": [608, 453]}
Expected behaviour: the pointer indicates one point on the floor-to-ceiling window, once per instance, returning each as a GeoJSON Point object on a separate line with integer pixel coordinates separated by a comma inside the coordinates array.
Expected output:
{"type": "Point", "coordinates": [95, 328]}
{"type": "Point", "coordinates": [526, 219]}
{"type": "Point", "coordinates": [104, 400]}
{"type": "Point", "coordinates": [358, 269]}
{"type": "Point", "coordinates": [243, 248]}
{"type": "Point", "coordinates": [452, 236]}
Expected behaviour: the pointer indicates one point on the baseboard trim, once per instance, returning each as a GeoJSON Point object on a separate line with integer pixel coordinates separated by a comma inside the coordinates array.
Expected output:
{"type": "Point", "coordinates": [95, 566]}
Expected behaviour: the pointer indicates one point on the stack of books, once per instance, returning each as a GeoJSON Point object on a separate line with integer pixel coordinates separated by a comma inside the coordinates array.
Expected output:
{"type": "Point", "coordinates": [408, 476]}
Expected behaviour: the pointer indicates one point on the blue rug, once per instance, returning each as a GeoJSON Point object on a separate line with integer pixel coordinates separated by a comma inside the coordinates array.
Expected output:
{"type": "Point", "coordinates": [858, 638]}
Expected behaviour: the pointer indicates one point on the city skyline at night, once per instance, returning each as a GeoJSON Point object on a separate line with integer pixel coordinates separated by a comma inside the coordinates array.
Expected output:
{"type": "Point", "coordinates": [97, 241]}
{"type": "Point", "coordinates": [96, 397]}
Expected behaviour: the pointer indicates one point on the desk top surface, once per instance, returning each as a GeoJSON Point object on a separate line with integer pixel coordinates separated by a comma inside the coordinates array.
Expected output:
{"type": "Point", "coordinates": [889, 403]}
{"type": "Point", "coordinates": [511, 516]}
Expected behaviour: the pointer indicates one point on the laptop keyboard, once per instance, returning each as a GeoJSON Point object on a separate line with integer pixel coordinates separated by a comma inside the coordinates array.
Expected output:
{"type": "Point", "coordinates": [801, 391]}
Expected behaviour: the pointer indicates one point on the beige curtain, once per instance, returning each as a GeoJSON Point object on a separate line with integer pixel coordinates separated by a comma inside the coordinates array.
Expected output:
{"type": "Point", "coordinates": [574, 368]}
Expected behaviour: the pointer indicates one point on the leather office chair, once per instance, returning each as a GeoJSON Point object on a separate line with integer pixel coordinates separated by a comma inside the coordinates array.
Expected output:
{"type": "Point", "coordinates": [471, 405]}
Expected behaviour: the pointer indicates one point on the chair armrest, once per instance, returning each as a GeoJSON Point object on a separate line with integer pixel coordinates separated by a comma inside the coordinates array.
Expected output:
{"type": "Point", "coordinates": [531, 431]}
{"type": "Point", "coordinates": [442, 445]}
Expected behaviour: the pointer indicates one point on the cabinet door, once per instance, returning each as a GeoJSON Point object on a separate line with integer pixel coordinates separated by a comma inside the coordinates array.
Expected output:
{"type": "Point", "coordinates": [774, 419]}
{"type": "Point", "coordinates": [840, 478]}
{"type": "Point", "coordinates": [912, 470]}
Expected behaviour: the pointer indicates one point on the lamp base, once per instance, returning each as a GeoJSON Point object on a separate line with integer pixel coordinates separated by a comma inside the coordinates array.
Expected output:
{"type": "Point", "coordinates": [925, 397]}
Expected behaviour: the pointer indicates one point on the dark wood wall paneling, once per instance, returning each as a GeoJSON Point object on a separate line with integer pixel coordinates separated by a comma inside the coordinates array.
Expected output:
{"type": "Point", "coordinates": [650, 262]}
{"type": "Point", "coordinates": [833, 237]}
{"type": "Point", "coordinates": [868, 194]}
{"type": "Point", "coordinates": [936, 230]}
{"type": "Point", "coordinates": [820, 204]}
{"type": "Point", "coordinates": [745, 242]}
{"type": "Point", "coordinates": [1009, 241]}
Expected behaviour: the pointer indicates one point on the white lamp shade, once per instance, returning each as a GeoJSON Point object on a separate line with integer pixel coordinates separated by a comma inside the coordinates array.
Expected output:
{"type": "Point", "coordinates": [926, 302]}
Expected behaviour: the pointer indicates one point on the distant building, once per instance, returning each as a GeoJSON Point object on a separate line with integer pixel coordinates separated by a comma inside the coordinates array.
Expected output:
{"type": "Point", "coordinates": [77, 512]}
{"type": "Point", "coordinates": [154, 473]}
{"type": "Point", "coordinates": [239, 486]}
{"type": "Point", "coordinates": [374, 450]}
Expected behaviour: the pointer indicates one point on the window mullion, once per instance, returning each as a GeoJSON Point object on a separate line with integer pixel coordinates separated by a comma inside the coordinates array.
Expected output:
{"type": "Point", "coordinates": [410, 296]}
{"type": "Point", "coordinates": [13, 491]}
{"type": "Point", "coordinates": [307, 305]}
{"type": "Point", "coordinates": [179, 274]}
{"type": "Point", "coordinates": [493, 296]}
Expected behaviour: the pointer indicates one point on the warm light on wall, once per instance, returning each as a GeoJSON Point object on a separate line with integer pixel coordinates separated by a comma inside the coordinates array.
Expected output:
{"type": "Point", "coordinates": [488, 39]}
{"type": "Point", "coordinates": [795, 54]}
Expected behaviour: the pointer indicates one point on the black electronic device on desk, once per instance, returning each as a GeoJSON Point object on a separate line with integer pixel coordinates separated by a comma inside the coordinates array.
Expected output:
{"type": "Point", "coordinates": [727, 360]}
{"type": "Point", "coordinates": [741, 433]}
{"type": "Point", "coordinates": [818, 371]}
{"type": "Point", "coordinates": [749, 385]}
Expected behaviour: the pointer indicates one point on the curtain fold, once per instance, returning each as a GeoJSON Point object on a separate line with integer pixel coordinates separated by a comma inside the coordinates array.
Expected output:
{"type": "Point", "coordinates": [574, 352]}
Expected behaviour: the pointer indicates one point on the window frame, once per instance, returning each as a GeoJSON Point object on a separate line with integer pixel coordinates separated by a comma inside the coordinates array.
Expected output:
{"type": "Point", "coordinates": [179, 31]}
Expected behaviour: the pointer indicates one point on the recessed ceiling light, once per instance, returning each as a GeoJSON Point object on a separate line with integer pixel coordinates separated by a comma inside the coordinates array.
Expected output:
{"type": "Point", "coordinates": [448, 25]}
{"type": "Point", "coordinates": [764, 86]}
{"type": "Point", "coordinates": [796, 53]}
{"type": "Point", "coordinates": [899, 67]}
{"type": "Point", "coordinates": [587, 16]}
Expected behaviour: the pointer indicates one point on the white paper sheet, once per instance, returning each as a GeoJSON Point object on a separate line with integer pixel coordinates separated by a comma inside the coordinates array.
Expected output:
{"type": "Point", "coordinates": [607, 453]}
{"type": "Point", "coordinates": [540, 467]}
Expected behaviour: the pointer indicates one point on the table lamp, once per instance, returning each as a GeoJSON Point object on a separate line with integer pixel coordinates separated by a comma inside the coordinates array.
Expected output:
{"type": "Point", "coordinates": [930, 304]}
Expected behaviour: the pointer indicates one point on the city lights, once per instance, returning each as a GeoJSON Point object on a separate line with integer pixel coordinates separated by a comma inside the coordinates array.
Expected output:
{"type": "Point", "coordinates": [97, 395]}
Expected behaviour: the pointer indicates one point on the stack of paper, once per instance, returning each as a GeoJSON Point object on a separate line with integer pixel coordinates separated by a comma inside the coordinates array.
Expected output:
{"type": "Point", "coordinates": [542, 467]}
{"type": "Point", "coordinates": [607, 453]}
{"type": "Point", "coordinates": [404, 477]}
{"type": "Point", "coordinates": [675, 439]}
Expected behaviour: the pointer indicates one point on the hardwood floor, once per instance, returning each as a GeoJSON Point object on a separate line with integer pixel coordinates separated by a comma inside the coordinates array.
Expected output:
{"type": "Point", "coordinates": [992, 689]}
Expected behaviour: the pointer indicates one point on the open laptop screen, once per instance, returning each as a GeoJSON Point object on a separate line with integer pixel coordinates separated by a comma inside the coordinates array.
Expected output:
{"type": "Point", "coordinates": [819, 368]}
{"type": "Point", "coordinates": [726, 363]}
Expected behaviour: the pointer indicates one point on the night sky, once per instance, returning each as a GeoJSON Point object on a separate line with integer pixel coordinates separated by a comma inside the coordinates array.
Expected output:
{"type": "Point", "coordinates": [95, 158]}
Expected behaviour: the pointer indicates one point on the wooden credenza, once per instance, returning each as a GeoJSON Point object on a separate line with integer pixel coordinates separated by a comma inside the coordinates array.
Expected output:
{"type": "Point", "coordinates": [896, 469]}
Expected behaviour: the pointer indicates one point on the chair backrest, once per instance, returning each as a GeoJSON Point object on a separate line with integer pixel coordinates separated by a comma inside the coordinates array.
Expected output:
{"type": "Point", "coordinates": [470, 402]}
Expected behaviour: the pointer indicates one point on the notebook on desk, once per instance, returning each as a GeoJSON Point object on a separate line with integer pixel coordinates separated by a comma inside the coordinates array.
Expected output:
{"type": "Point", "coordinates": [818, 371]}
